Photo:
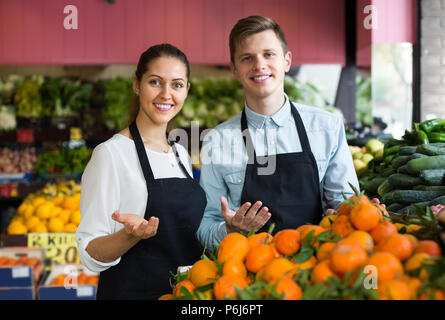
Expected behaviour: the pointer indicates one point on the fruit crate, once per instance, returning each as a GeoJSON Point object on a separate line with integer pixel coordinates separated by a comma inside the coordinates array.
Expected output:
{"type": "Point", "coordinates": [20, 271]}
{"type": "Point", "coordinates": [70, 290]}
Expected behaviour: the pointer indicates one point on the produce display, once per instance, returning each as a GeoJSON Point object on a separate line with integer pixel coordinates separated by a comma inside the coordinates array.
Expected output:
{"type": "Point", "coordinates": [411, 170]}
{"type": "Point", "coordinates": [362, 156]}
{"type": "Point", "coordinates": [360, 253]}
{"type": "Point", "coordinates": [82, 278]}
{"type": "Point", "coordinates": [55, 208]}
{"type": "Point", "coordinates": [18, 160]}
{"type": "Point", "coordinates": [67, 160]}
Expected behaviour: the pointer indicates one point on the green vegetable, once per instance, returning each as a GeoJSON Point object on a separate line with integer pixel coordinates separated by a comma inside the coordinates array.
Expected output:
{"type": "Point", "coordinates": [384, 188]}
{"type": "Point", "coordinates": [422, 137]}
{"type": "Point", "coordinates": [391, 150]}
{"type": "Point", "coordinates": [433, 177]}
{"type": "Point", "coordinates": [414, 196]}
{"type": "Point", "coordinates": [433, 162]}
{"type": "Point", "coordinates": [436, 136]}
{"type": "Point", "coordinates": [424, 187]}
{"type": "Point", "coordinates": [387, 172]}
{"type": "Point", "coordinates": [403, 169]}
{"type": "Point", "coordinates": [372, 185]}
{"type": "Point", "coordinates": [400, 161]}
{"type": "Point", "coordinates": [433, 124]}
{"type": "Point", "coordinates": [407, 150]}
{"type": "Point", "coordinates": [403, 181]}
{"type": "Point", "coordinates": [394, 207]}
{"type": "Point", "coordinates": [430, 150]}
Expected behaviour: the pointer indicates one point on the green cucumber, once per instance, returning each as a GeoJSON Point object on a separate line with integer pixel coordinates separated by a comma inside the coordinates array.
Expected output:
{"type": "Point", "coordinates": [384, 188]}
{"type": "Point", "coordinates": [430, 150]}
{"type": "Point", "coordinates": [403, 181]}
{"type": "Point", "coordinates": [400, 161]}
{"type": "Point", "coordinates": [407, 150]}
{"type": "Point", "coordinates": [409, 210]}
{"type": "Point", "coordinates": [424, 187]}
{"type": "Point", "coordinates": [387, 172]}
{"type": "Point", "coordinates": [433, 177]}
{"type": "Point", "coordinates": [387, 198]}
{"type": "Point", "coordinates": [414, 196]}
{"type": "Point", "coordinates": [391, 150]}
{"type": "Point", "coordinates": [394, 207]}
{"type": "Point", "coordinates": [433, 162]}
{"type": "Point", "coordinates": [372, 185]}
{"type": "Point", "coordinates": [403, 169]}
{"type": "Point", "coordinates": [418, 155]}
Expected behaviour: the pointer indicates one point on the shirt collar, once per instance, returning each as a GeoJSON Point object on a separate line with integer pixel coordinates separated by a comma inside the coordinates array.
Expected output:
{"type": "Point", "coordinates": [279, 118]}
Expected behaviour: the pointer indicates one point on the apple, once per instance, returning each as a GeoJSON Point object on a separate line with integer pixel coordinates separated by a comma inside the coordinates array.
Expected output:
{"type": "Point", "coordinates": [374, 145]}
{"type": "Point", "coordinates": [366, 158]}
{"type": "Point", "coordinates": [359, 165]}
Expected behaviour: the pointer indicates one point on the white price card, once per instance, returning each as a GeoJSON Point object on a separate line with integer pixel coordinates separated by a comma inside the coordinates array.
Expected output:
{"type": "Point", "coordinates": [20, 272]}
{"type": "Point", "coordinates": [84, 291]}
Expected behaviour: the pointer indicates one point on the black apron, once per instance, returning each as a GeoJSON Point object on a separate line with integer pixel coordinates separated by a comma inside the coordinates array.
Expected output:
{"type": "Point", "coordinates": [292, 191]}
{"type": "Point", "coordinates": [144, 270]}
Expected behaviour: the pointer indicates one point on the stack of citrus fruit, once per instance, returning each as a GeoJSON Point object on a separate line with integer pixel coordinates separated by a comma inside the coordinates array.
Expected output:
{"type": "Point", "coordinates": [356, 254]}
{"type": "Point", "coordinates": [41, 212]}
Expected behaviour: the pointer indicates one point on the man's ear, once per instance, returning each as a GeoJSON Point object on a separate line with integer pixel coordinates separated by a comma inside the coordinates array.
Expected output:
{"type": "Point", "coordinates": [288, 60]}
{"type": "Point", "coordinates": [233, 69]}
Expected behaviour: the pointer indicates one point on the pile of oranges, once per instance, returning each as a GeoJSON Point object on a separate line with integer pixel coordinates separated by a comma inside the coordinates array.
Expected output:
{"type": "Point", "coordinates": [356, 254]}
{"type": "Point", "coordinates": [82, 279]}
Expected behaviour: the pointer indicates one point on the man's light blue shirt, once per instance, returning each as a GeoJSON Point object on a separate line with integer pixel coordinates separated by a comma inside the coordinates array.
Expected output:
{"type": "Point", "coordinates": [224, 159]}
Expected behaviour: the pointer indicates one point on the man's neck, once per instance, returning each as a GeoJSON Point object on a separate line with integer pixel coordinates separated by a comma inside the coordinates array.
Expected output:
{"type": "Point", "coordinates": [266, 106]}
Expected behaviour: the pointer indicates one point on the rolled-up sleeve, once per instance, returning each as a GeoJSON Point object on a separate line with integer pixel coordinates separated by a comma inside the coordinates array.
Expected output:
{"type": "Point", "coordinates": [100, 197]}
{"type": "Point", "coordinates": [213, 227]}
{"type": "Point", "coordinates": [340, 172]}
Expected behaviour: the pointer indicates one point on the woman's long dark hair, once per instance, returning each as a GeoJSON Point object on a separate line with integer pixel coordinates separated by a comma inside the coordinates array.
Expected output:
{"type": "Point", "coordinates": [152, 53]}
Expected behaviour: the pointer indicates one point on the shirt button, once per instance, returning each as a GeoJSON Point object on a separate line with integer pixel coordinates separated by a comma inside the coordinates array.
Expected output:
{"type": "Point", "coordinates": [239, 180]}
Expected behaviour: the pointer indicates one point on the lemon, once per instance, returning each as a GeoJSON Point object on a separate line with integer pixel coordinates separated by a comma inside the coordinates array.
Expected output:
{"type": "Point", "coordinates": [32, 222]}
{"type": "Point", "coordinates": [17, 228]}
{"type": "Point", "coordinates": [29, 211]}
{"type": "Point", "coordinates": [64, 215]}
{"type": "Point", "coordinates": [21, 209]}
{"type": "Point", "coordinates": [75, 217]}
{"type": "Point", "coordinates": [57, 200]}
{"type": "Point", "coordinates": [70, 203]}
{"type": "Point", "coordinates": [39, 228]}
{"type": "Point", "coordinates": [43, 211]}
{"type": "Point", "coordinates": [327, 221]}
{"type": "Point", "coordinates": [55, 225]}
{"type": "Point", "coordinates": [38, 201]}
{"type": "Point", "coordinates": [55, 211]}
{"type": "Point", "coordinates": [70, 227]}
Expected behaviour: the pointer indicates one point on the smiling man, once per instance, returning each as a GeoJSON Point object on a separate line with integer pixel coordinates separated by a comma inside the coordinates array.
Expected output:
{"type": "Point", "coordinates": [304, 147]}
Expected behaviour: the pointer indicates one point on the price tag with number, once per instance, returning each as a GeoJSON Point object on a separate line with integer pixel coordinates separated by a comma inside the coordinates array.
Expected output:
{"type": "Point", "coordinates": [61, 247]}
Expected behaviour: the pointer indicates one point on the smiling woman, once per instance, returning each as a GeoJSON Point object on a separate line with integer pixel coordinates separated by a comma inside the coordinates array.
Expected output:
{"type": "Point", "coordinates": [131, 230]}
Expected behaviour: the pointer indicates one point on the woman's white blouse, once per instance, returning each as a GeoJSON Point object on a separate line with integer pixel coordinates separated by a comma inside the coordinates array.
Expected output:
{"type": "Point", "coordinates": [113, 180]}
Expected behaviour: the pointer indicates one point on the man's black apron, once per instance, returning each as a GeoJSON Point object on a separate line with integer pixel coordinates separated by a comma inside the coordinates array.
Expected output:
{"type": "Point", "coordinates": [144, 271]}
{"type": "Point", "coordinates": [292, 191]}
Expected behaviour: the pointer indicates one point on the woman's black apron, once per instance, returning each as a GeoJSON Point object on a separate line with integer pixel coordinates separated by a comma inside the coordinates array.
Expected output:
{"type": "Point", "coordinates": [144, 270]}
{"type": "Point", "coordinates": [292, 191]}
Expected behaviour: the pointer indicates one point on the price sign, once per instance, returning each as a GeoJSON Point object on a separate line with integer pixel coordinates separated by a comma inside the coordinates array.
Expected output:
{"type": "Point", "coordinates": [75, 134]}
{"type": "Point", "coordinates": [25, 136]}
{"type": "Point", "coordinates": [61, 247]}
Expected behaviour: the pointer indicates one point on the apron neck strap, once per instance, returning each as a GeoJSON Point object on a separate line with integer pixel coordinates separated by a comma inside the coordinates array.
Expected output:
{"type": "Point", "coordinates": [142, 154]}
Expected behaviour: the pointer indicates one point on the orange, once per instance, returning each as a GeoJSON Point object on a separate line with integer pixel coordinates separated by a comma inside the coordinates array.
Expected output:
{"type": "Point", "coordinates": [322, 271]}
{"type": "Point", "coordinates": [234, 266]}
{"type": "Point", "coordinates": [92, 280]}
{"type": "Point", "coordinates": [234, 245]}
{"type": "Point", "coordinates": [345, 208]}
{"type": "Point", "coordinates": [203, 272]}
{"type": "Point", "coordinates": [397, 244]}
{"type": "Point", "coordinates": [32, 222]}
{"type": "Point", "coordinates": [259, 238]}
{"type": "Point", "coordinates": [184, 283]}
{"type": "Point", "coordinates": [429, 247]}
{"type": "Point", "coordinates": [59, 280]}
{"type": "Point", "coordinates": [258, 257]}
{"type": "Point", "coordinates": [57, 200]}
{"type": "Point", "coordinates": [413, 240]}
{"type": "Point", "coordinates": [413, 227]}
{"type": "Point", "coordinates": [277, 269]}
{"type": "Point", "coordinates": [287, 241]}
{"type": "Point", "coordinates": [316, 230]}
{"type": "Point", "coordinates": [75, 217]}
{"type": "Point", "coordinates": [290, 289]}
{"type": "Point", "coordinates": [417, 261]}
{"type": "Point", "coordinates": [82, 278]}
{"type": "Point", "coordinates": [308, 264]}
{"type": "Point", "coordinates": [346, 258]}
{"type": "Point", "coordinates": [70, 203]}
{"type": "Point", "coordinates": [352, 242]}
{"type": "Point", "coordinates": [342, 226]}
{"type": "Point", "coordinates": [364, 238]}
{"type": "Point", "coordinates": [40, 228]}
{"type": "Point", "coordinates": [382, 230]}
{"type": "Point", "coordinates": [388, 266]}
{"type": "Point", "coordinates": [43, 211]}
{"type": "Point", "coordinates": [326, 222]}
{"type": "Point", "coordinates": [224, 287]}
{"type": "Point", "coordinates": [16, 228]}
{"type": "Point", "coordinates": [324, 251]}
{"type": "Point", "coordinates": [432, 294]}
{"type": "Point", "coordinates": [393, 290]}
{"type": "Point", "coordinates": [166, 296]}
{"type": "Point", "coordinates": [29, 212]}
{"type": "Point", "coordinates": [413, 285]}
{"type": "Point", "coordinates": [364, 216]}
